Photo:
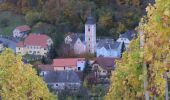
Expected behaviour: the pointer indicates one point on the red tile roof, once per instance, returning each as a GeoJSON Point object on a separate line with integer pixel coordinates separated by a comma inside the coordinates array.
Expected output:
{"type": "Point", "coordinates": [35, 40]}
{"type": "Point", "coordinates": [23, 28]}
{"type": "Point", "coordinates": [71, 62]}
{"type": "Point", "coordinates": [20, 44]}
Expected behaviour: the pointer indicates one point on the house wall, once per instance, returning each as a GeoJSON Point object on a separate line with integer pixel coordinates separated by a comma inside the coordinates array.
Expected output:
{"type": "Point", "coordinates": [125, 40]}
{"type": "Point", "coordinates": [21, 50]}
{"type": "Point", "coordinates": [16, 33]}
{"type": "Point", "coordinates": [108, 53]}
{"type": "Point", "coordinates": [81, 65]}
{"type": "Point", "coordinates": [67, 40]}
{"type": "Point", "coordinates": [63, 85]}
{"type": "Point", "coordinates": [101, 52]}
{"type": "Point", "coordinates": [99, 71]}
{"type": "Point", "coordinates": [79, 47]}
{"type": "Point", "coordinates": [57, 68]}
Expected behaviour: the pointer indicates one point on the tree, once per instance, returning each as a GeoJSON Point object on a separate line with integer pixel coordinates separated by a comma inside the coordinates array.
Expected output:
{"type": "Point", "coordinates": [126, 79]}
{"type": "Point", "coordinates": [149, 62]}
{"type": "Point", "coordinates": [19, 80]}
{"type": "Point", "coordinates": [123, 48]}
{"type": "Point", "coordinates": [87, 68]}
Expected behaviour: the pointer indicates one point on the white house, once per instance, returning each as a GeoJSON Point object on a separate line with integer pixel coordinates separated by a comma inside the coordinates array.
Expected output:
{"type": "Point", "coordinates": [76, 41]}
{"type": "Point", "coordinates": [126, 37]}
{"type": "Point", "coordinates": [35, 44]}
{"type": "Point", "coordinates": [108, 48]}
{"type": "Point", "coordinates": [21, 31]}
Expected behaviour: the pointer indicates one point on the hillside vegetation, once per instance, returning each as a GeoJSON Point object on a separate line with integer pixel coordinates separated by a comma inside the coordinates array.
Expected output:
{"type": "Point", "coordinates": [112, 16]}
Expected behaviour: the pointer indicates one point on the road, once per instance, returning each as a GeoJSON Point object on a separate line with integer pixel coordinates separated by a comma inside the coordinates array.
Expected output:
{"type": "Point", "coordinates": [11, 44]}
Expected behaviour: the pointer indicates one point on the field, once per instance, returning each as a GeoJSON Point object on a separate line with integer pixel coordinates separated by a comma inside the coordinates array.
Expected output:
{"type": "Point", "coordinates": [8, 22]}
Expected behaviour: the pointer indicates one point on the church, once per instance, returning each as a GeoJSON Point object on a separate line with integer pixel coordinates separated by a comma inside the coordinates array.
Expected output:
{"type": "Point", "coordinates": [88, 42]}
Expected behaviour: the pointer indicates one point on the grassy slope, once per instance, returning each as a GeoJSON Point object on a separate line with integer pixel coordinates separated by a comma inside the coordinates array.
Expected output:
{"type": "Point", "coordinates": [14, 21]}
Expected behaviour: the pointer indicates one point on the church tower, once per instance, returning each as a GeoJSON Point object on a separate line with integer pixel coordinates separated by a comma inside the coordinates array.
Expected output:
{"type": "Point", "coordinates": [90, 35]}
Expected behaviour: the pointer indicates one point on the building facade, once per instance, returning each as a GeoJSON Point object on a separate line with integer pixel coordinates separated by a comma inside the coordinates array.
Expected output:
{"type": "Point", "coordinates": [35, 44]}
{"type": "Point", "coordinates": [90, 35]}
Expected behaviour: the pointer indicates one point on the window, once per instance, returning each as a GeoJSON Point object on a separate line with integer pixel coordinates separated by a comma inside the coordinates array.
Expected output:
{"type": "Point", "coordinates": [89, 29]}
{"type": "Point", "coordinates": [45, 49]}
{"type": "Point", "coordinates": [19, 48]}
{"type": "Point", "coordinates": [79, 68]}
{"type": "Point", "coordinates": [89, 39]}
{"type": "Point", "coordinates": [56, 84]}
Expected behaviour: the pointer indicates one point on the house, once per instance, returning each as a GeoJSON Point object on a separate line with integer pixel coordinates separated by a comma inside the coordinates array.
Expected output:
{"type": "Point", "coordinates": [84, 42]}
{"type": "Point", "coordinates": [21, 31]}
{"type": "Point", "coordinates": [35, 44]}
{"type": "Point", "coordinates": [44, 69]}
{"type": "Point", "coordinates": [77, 42]}
{"type": "Point", "coordinates": [62, 80]}
{"type": "Point", "coordinates": [127, 37]}
{"type": "Point", "coordinates": [1, 46]}
{"type": "Point", "coordinates": [103, 66]}
{"type": "Point", "coordinates": [108, 48]}
{"type": "Point", "coordinates": [76, 64]}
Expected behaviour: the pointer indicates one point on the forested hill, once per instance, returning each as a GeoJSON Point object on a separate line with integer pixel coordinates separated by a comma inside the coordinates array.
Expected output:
{"type": "Point", "coordinates": [112, 16]}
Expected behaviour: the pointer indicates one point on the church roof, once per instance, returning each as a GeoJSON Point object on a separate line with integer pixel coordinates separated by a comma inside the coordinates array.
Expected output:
{"type": "Point", "coordinates": [90, 20]}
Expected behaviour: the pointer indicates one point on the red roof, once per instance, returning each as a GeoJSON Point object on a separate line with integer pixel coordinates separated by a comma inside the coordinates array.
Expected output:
{"type": "Point", "coordinates": [20, 44]}
{"type": "Point", "coordinates": [35, 40]}
{"type": "Point", "coordinates": [23, 28]}
{"type": "Point", "coordinates": [71, 62]}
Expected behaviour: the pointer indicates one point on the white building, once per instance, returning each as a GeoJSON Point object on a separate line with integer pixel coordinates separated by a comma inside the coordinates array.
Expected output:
{"type": "Point", "coordinates": [35, 44]}
{"type": "Point", "coordinates": [106, 48]}
{"type": "Point", "coordinates": [126, 37]}
{"type": "Point", "coordinates": [21, 31]}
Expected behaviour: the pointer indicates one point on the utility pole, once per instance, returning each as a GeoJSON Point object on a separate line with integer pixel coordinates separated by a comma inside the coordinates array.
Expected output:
{"type": "Point", "coordinates": [144, 68]}
{"type": "Point", "coordinates": [166, 88]}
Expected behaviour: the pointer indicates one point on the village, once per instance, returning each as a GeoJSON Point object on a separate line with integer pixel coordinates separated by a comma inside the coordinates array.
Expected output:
{"type": "Point", "coordinates": [94, 57]}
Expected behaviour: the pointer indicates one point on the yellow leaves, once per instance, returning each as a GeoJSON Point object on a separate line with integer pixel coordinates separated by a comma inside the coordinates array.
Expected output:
{"type": "Point", "coordinates": [18, 79]}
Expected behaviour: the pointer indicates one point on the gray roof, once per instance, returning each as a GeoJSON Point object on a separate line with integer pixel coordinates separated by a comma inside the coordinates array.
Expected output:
{"type": "Point", "coordinates": [90, 20]}
{"type": "Point", "coordinates": [75, 36]}
{"type": "Point", "coordinates": [1, 42]}
{"type": "Point", "coordinates": [128, 34]}
{"type": "Point", "coordinates": [108, 44]}
{"type": "Point", "coordinates": [61, 76]}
